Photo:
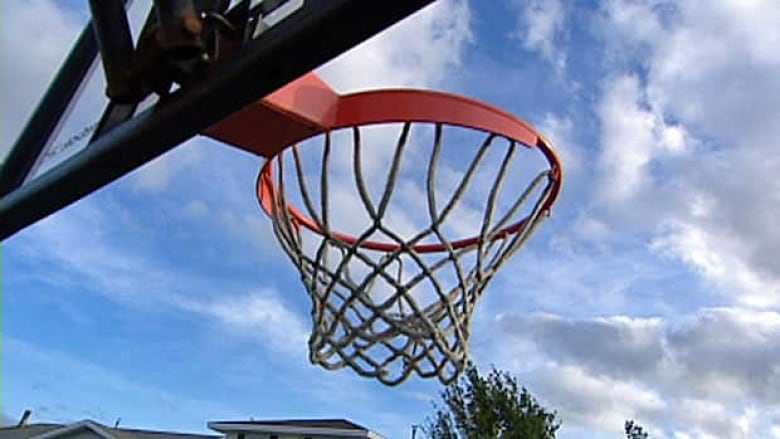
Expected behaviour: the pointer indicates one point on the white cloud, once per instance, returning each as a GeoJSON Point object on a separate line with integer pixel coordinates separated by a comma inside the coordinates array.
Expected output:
{"type": "Point", "coordinates": [541, 26]}
{"type": "Point", "coordinates": [196, 209]}
{"type": "Point", "coordinates": [417, 52]}
{"type": "Point", "coordinates": [259, 314]}
{"type": "Point", "coordinates": [718, 256]}
{"type": "Point", "coordinates": [598, 401]}
{"type": "Point", "coordinates": [628, 141]}
{"type": "Point", "coordinates": [687, 144]}
{"type": "Point", "coordinates": [157, 175]}
{"type": "Point", "coordinates": [84, 245]}
{"type": "Point", "coordinates": [716, 47]}
{"type": "Point", "coordinates": [633, 138]}
{"type": "Point", "coordinates": [713, 373]}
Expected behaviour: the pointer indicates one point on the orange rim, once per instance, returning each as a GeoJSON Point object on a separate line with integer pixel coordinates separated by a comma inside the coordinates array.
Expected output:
{"type": "Point", "coordinates": [393, 106]}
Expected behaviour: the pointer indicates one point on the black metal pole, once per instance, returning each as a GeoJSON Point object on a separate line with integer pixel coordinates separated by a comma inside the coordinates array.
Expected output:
{"type": "Point", "coordinates": [320, 31]}
{"type": "Point", "coordinates": [112, 30]}
{"type": "Point", "coordinates": [48, 113]}
{"type": "Point", "coordinates": [117, 112]}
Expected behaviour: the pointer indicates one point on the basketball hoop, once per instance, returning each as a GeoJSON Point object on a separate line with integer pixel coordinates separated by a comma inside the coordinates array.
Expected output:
{"type": "Point", "coordinates": [391, 307]}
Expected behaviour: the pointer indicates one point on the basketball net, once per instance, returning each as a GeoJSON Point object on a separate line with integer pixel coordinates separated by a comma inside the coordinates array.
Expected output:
{"type": "Point", "coordinates": [387, 310]}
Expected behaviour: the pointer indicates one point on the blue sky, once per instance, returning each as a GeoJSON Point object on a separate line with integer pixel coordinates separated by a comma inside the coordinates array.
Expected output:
{"type": "Point", "coordinates": [653, 292]}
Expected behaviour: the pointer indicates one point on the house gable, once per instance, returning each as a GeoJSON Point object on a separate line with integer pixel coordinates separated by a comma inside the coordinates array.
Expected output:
{"type": "Point", "coordinates": [79, 430]}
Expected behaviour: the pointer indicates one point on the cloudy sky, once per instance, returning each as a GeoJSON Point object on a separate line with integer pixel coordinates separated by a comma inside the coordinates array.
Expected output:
{"type": "Point", "coordinates": [652, 293]}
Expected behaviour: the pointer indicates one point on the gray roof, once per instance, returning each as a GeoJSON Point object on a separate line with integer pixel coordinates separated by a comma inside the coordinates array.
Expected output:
{"type": "Point", "coordinates": [27, 431]}
{"type": "Point", "coordinates": [32, 430]}
{"type": "Point", "coordinates": [341, 424]}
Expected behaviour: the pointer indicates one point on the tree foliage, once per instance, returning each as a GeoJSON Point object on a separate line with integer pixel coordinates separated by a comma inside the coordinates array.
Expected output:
{"type": "Point", "coordinates": [635, 431]}
{"type": "Point", "coordinates": [489, 407]}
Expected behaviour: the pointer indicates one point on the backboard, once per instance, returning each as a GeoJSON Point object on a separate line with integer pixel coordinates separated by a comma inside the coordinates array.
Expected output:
{"type": "Point", "coordinates": [217, 56]}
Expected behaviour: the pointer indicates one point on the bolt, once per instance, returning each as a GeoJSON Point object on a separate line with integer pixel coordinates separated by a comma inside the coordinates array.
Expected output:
{"type": "Point", "coordinates": [192, 24]}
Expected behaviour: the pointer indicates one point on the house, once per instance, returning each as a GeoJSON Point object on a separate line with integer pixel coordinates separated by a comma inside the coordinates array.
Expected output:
{"type": "Point", "coordinates": [294, 429]}
{"type": "Point", "coordinates": [279, 429]}
{"type": "Point", "coordinates": [89, 430]}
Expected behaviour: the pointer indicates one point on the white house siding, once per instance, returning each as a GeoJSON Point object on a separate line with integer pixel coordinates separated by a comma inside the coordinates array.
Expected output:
{"type": "Point", "coordinates": [279, 436]}
{"type": "Point", "coordinates": [81, 434]}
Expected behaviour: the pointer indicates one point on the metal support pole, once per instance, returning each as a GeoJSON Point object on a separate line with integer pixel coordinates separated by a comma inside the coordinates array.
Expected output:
{"type": "Point", "coordinates": [116, 47]}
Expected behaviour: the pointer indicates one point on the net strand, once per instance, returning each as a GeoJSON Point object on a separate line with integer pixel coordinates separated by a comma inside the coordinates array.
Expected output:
{"type": "Point", "coordinates": [436, 218]}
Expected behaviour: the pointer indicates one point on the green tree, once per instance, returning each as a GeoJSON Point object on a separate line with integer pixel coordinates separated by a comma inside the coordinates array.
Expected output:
{"type": "Point", "coordinates": [489, 407]}
{"type": "Point", "coordinates": [634, 430]}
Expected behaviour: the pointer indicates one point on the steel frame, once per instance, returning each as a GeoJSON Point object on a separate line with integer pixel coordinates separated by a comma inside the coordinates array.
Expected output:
{"type": "Point", "coordinates": [309, 37]}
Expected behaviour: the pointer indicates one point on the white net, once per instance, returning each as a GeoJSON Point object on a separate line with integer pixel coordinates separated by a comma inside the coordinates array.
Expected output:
{"type": "Point", "coordinates": [402, 306]}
